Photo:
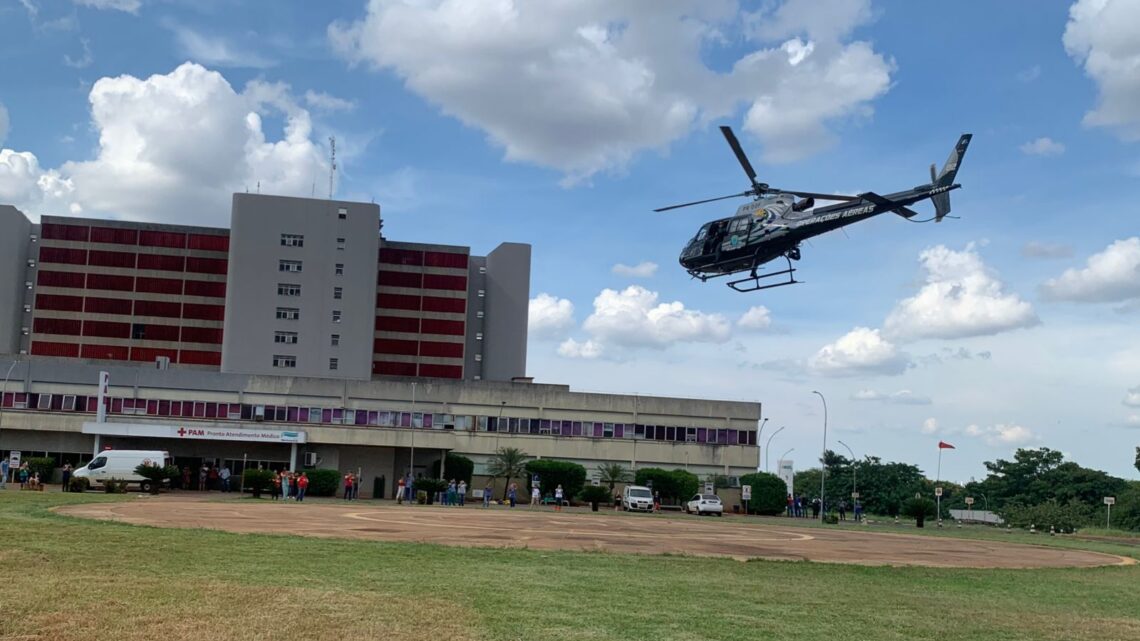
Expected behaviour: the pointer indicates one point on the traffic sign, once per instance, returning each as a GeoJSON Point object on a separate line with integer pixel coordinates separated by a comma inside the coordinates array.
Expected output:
{"type": "Point", "coordinates": [708, 488]}
{"type": "Point", "coordinates": [937, 491]}
{"type": "Point", "coordinates": [969, 500]}
{"type": "Point", "coordinates": [745, 492]}
{"type": "Point", "coordinates": [854, 495]}
{"type": "Point", "coordinates": [1110, 500]}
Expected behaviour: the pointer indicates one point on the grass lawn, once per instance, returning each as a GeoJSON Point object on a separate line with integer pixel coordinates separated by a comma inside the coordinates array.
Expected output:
{"type": "Point", "coordinates": [66, 578]}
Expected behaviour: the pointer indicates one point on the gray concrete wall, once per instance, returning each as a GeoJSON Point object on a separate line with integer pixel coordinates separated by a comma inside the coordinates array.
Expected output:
{"type": "Point", "coordinates": [15, 229]}
{"type": "Point", "coordinates": [476, 318]}
{"type": "Point", "coordinates": [258, 221]}
{"type": "Point", "coordinates": [507, 304]}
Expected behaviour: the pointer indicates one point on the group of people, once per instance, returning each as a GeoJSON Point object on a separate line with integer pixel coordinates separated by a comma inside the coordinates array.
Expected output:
{"type": "Point", "coordinates": [798, 507]}
{"type": "Point", "coordinates": [289, 485]}
{"type": "Point", "coordinates": [210, 477]}
{"type": "Point", "coordinates": [27, 478]}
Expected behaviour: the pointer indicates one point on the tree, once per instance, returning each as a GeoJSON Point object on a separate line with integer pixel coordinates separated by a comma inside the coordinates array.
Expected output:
{"type": "Point", "coordinates": [919, 509]}
{"type": "Point", "coordinates": [456, 467]}
{"type": "Point", "coordinates": [674, 486]}
{"type": "Point", "coordinates": [769, 493]}
{"type": "Point", "coordinates": [1138, 458]}
{"type": "Point", "coordinates": [551, 474]}
{"type": "Point", "coordinates": [612, 474]}
{"type": "Point", "coordinates": [508, 463]}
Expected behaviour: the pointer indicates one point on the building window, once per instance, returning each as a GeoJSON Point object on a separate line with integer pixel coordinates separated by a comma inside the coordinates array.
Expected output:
{"type": "Point", "coordinates": [478, 357]}
{"type": "Point", "coordinates": [288, 338]}
{"type": "Point", "coordinates": [335, 340]}
{"type": "Point", "coordinates": [342, 212]}
{"type": "Point", "coordinates": [482, 270]}
{"type": "Point", "coordinates": [289, 266]}
{"type": "Point", "coordinates": [138, 331]}
{"type": "Point", "coordinates": [338, 293]}
{"type": "Point", "coordinates": [608, 430]}
{"type": "Point", "coordinates": [286, 289]}
{"type": "Point", "coordinates": [478, 336]}
{"type": "Point", "coordinates": [336, 316]}
{"type": "Point", "coordinates": [292, 240]}
{"type": "Point", "coordinates": [340, 269]}
{"type": "Point", "coordinates": [288, 313]}
{"type": "Point", "coordinates": [284, 361]}
{"type": "Point", "coordinates": [340, 243]}
{"type": "Point", "coordinates": [333, 363]}
{"type": "Point", "coordinates": [479, 314]}
{"type": "Point", "coordinates": [481, 293]}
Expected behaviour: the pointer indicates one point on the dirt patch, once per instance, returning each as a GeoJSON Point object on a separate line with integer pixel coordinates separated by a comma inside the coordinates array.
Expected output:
{"type": "Point", "coordinates": [573, 530]}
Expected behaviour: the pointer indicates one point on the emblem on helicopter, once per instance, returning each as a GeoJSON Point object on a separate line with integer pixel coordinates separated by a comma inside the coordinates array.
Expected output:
{"type": "Point", "coordinates": [774, 224]}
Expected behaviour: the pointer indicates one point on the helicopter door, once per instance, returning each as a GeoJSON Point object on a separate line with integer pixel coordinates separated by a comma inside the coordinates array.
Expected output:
{"type": "Point", "coordinates": [738, 231]}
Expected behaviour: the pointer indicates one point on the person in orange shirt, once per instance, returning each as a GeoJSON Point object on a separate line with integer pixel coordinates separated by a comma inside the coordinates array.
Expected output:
{"type": "Point", "coordinates": [400, 486]}
{"type": "Point", "coordinates": [302, 485]}
{"type": "Point", "coordinates": [349, 482]}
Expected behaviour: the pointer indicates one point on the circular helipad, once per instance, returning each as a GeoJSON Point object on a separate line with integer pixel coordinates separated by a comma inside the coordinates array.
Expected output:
{"type": "Point", "coordinates": [578, 530]}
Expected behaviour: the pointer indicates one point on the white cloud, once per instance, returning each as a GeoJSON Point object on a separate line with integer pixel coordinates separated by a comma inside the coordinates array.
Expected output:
{"type": "Point", "coordinates": [1132, 398]}
{"type": "Point", "coordinates": [571, 348]}
{"type": "Point", "coordinates": [1133, 420]}
{"type": "Point", "coordinates": [3, 123]}
{"type": "Point", "coordinates": [1037, 249]}
{"type": "Point", "coordinates": [1101, 36]}
{"type": "Point", "coordinates": [1043, 147]}
{"type": "Point", "coordinates": [961, 298]}
{"type": "Point", "coordinates": [862, 351]}
{"type": "Point", "coordinates": [901, 397]}
{"type": "Point", "coordinates": [583, 86]}
{"type": "Point", "coordinates": [82, 62]}
{"type": "Point", "coordinates": [327, 102]}
{"type": "Point", "coordinates": [550, 316]}
{"type": "Point", "coordinates": [129, 6]}
{"type": "Point", "coordinates": [215, 50]}
{"type": "Point", "coordinates": [1113, 275]}
{"type": "Point", "coordinates": [1002, 434]}
{"type": "Point", "coordinates": [756, 318]}
{"type": "Point", "coordinates": [644, 269]}
{"type": "Point", "coordinates": [930, 426]}
{"type": "Point", "coordinates": [1030, 74]}
{"type": "Point", "coordinates": [173, 148]}
{"type": "Point", "coordinates": [633, 317]}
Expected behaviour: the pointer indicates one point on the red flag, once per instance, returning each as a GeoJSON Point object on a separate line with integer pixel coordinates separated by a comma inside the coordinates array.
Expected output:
{"type": "Point", "coordinates": [943, 445]}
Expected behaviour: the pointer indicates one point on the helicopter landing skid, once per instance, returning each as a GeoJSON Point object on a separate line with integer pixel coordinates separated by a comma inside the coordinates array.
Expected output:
{"type": "Point", "coordinates": [753, 282]}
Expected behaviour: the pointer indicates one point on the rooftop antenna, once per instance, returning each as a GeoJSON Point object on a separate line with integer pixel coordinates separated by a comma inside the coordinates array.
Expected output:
{"type": "Point", "coordinates": [332, 164]}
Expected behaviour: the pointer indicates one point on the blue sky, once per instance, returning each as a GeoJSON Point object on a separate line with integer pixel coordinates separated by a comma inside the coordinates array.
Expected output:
{"type": "Point", "coordinates": [564, 124]}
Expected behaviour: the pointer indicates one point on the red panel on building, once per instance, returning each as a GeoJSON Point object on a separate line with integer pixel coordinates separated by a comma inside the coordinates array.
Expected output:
{"type": "Point", "coordinates": [158, 285]}
{"type": "Point", "coordinates": [206, 265]}
{"type": "Point", "coordinates": [148, 354]}
{"type": "Point", "coordinates": [441, 371]}
{"type": "Point", "coordinates": [392, 346]}
{"type": "Point", "coordinates": [113, 235]}
{"type": "Point", "coordinates": [440, 281]}
{"type": "Point", "coordinates": [211, 335]}
{"type": "Point", "coordinates": [209, 242]}
{"type": "Point", "coordinates": [441, 259]}
{"type": "Point", "coordinates": [172, 239]}
{"type": "Point", "coordinates": [158, 308]}
{"type": "Point", "coordinates": [401, 256]}
{"type": "Point", "coordinates": [397, 324]}
{"type": "Point", "coordinates": [205, 288]}
{"type": "Point", "coordinates": [107, 306]}
{"type": "Point", "coordinates": [106, 352]}
{"type": "Point", "coordinates": [45, 348]}
{"type": "Point", "coordinates": [397, 301]}
{"type": "Point", "coordinates": [59, 303]}
{"type": "Point", "coordinates": [60, 279]}
{"type": "Point", "coordinates": [56, 326]}
{"type": "Point", "coordinates": [112, 283]}
{"type": "Point", "coordinates": [447, 327]}
{"type": "Point", "coordinates": [63, 255]}
{"type": "Point", "coordinates": [194, 357]}
{"type": "Point", "coordinates": [107, 329]}
{"type": "Point", "coordinates": [204, 312]}
{"type": "Point", "coordinates": [161, 262]}
{"type": "Point", "coordinates": [399, 279]}
{"type": "Point", "coordinates": [159, 332]}
{"type": "Point", "coordinates": [444, 350]}
{"type": "Point", "coordinates": [63, 232]}
{"type": "Point", "coordinates": [385, 368]}
{"type": "Point", "coordinates": [437, 304]}
{"type": "Point", "coordinates": [111, 259]}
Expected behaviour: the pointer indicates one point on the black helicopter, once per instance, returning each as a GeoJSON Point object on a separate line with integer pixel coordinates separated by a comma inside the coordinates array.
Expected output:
{"type": "Point", "coordinates": [774, 224]}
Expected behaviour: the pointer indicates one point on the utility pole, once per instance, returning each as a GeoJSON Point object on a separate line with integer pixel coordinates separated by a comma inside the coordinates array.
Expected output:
{"type": "Point", "coordinates": [759, 434]}
{"type": "Point", "coordinates": [768, 444]}
{"type": "Point", "coordinates": [822, 465]}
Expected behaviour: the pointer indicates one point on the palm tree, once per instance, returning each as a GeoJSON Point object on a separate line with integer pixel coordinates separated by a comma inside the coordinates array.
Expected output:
{"type": "Point", "coordinates": [613, 473]}
{"type": "Point", "coordinates": [509, 462]}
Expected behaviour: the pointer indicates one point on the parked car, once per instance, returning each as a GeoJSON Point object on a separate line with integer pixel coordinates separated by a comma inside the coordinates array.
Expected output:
{"type": "Point", "coordinates": [119, 465]}
{"type": "Point", "coordinates": [637, 497]}
{"type": "Point", "coordinates": [702, 504]}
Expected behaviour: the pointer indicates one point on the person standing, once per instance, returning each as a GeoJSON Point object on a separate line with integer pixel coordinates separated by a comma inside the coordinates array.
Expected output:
{"type": "Point", "coordinates": [534, 496]}
{"type": "Point", "coordinates": [66, 477]}
{"type": "Point", "coordinates": [276, 486]}
{"type": "Point", "coordinates": [213, 478]}
{"type": "Point", "coordinates": [461, 493]}
{"type": "Point", "coordinates": [558, 498]}
{"type": "Point", "coordinates": [843, 510]}
{"type": "Point", "coordinates": [186, 477]}
{"type": "Point", "coordinates": [202, 474]}
{"type": "Point", "coordinates": [513, 493]}
{"type": "Point", "coordinates": [224, 475]}
{"type": "Point", "coordinates": [487, 491]}
{"type": "Point", "coordinates": [302, 485]}
{"type": "Point", "coordinates": [452, 490]}
{"type": "Point", "coordinates": [3, 473]}
{"type": "Point", "coordinates": [348, 483]}
{"type": "Point", "coordinates": [656, 501]}
{"type": "Point", "coordinates": [401, 487]}
{"type": "Point", "coordinates": [791, 508]}
{"type": "Point", "coordinates": [23, 476]}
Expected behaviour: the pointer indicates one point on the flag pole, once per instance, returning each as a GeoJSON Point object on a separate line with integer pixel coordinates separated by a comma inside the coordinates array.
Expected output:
{"type": "Point", "coordinates": [938, 495]}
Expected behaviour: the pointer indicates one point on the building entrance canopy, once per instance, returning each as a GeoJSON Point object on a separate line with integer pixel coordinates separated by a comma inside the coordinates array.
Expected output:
{"type": "Point", "coordinates": [193, 432]}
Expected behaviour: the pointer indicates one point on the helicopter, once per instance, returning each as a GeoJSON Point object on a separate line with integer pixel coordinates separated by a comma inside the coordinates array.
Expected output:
{"type": "Point", "coordinates": [774, 223]}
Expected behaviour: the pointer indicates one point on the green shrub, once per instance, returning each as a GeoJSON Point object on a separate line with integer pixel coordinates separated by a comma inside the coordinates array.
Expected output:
{"type": "Point", "coordinates": [551, 474]}
{"type": "Point", "coordinates": [323, 482]}
{"type": "Point", "coordinates": [256, 481]}
{"type": "Point", "coordinates": [919, 509]}
{"type": "Point", "coordinates": [831, 518]}
{"type": "Point", "coordinates": [457, 467]}
{"type": "Point", "coordinates": [44, 466]}
{"type": "Point", "coordinates": [769, 493]}
{"type": "Point", "coordinates": [595, 494]}
{"type": "Point", "coordinates": [430, 487]}
{"type": "Point", "coordinates": [115, 486]}
{"type": "Point", "coordinates": [687, 484]}
{"type": "Point", "coordinates": [1050, 513]}
{"type": "Point", "coordinates": [79, 484]}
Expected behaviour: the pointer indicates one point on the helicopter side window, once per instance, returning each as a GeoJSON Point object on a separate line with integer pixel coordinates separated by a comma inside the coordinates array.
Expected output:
{"type": "Point", "coordinates": [739, 225]}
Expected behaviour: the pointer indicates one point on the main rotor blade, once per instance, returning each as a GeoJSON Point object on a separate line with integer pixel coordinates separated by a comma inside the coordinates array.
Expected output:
{"type": "Point", "coordinates": [817, 196]}
{"type": "Point", "coordinates": [707, 200]}
{"type": "Point", "coordinates": [739, 151]}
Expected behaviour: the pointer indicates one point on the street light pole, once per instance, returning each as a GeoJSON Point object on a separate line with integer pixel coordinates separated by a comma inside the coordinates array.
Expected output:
{"type": "Point", "coordinates": [759, 435]}
{"type": "Point", "coordinates": [822, 465]}
{"type": "Point", "coordinates": [769, 443]}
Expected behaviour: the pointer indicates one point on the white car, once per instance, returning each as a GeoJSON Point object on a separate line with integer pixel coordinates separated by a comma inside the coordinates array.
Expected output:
{"type": "Point", "coordinates": [702, 504]}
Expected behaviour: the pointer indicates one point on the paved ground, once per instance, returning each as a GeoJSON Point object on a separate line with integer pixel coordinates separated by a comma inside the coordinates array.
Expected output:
{"type": "Point", "coordinates": [582, 530]}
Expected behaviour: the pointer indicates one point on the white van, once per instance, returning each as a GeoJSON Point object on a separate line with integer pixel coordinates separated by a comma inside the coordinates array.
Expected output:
{"type": "Point", "coordinates": [637, 497]}
{"type": "Point", "coordinates": [120, 465]}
